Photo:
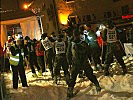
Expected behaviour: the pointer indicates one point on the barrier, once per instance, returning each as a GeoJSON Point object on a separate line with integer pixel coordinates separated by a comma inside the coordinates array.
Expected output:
{"type": "Point", "coordinates": [128, 49]}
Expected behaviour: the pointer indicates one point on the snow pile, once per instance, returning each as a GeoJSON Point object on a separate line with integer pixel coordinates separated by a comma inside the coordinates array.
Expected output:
{"type": "Point", "coordinates": [114, 87]}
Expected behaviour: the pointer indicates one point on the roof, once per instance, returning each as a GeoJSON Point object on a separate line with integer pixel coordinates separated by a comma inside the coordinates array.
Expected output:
{"type": "Point", "coordinates": [15, 14]}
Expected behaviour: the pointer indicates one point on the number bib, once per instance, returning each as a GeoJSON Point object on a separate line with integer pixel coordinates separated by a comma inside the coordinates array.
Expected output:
{"type": "Point", "coordinates": [82, 37]}
{"type": "Point", "coordinates": [8, 45]}
{"type": "Point", "coordinates": [60, 47]}
{"type": "Point", "coordinates": [46, 43]}
{"type": "Point", "coordinates": [111, 35]}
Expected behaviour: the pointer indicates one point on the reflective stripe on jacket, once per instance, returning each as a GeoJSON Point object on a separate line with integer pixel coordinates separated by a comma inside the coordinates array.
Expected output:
{"type": "Point", "coordinates": [14, 60]}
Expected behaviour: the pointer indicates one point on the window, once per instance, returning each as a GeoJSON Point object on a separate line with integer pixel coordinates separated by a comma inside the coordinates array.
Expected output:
{"type": "Point", "coordinates": [125, 10]}
{"type": "Point", "coordinates": [107, 14]}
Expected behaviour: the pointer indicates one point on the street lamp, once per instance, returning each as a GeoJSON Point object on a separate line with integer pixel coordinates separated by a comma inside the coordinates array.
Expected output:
{"type": "Point", "coordinates": [35, 11]}
{"type": "Point", "coordinates": [26, 6]}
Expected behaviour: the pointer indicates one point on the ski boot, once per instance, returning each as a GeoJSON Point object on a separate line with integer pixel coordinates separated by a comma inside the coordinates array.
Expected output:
{"type": "Point", "coordinates": [124, 70]}
{"type": "Point", "coordinates": [98, 89]}
{"type": "Point", "coordinates": [40, 73]}
{"type": "Point", "coordinates": [106, 72]}
{"type": "Point", "coordinates": [34, 75]}
{"type": "Point", "coordinates": [55, 80]}
{"type": "Point", "coordinates": [52, 74]}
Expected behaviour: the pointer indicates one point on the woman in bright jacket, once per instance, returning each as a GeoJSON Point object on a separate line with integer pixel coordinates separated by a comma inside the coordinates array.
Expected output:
{"type": "Point", "coordinates": [40, 57]}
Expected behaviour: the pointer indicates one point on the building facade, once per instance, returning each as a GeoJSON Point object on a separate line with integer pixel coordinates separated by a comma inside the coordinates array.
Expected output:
{"type": "Point", "coordinates": [98, 10]}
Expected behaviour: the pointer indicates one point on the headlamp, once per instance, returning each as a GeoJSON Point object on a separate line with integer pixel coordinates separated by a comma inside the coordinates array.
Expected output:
{"type": "Point", "coordinates": [89, 37]}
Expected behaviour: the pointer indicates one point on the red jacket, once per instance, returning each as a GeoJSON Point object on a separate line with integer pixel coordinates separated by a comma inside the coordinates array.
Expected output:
{"type": "Point", "coordinates": [100, 41]}
{"type": "Point", "coordinates": [38, 51]}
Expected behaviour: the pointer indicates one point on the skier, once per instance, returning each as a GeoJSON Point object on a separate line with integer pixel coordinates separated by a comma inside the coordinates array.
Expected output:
{"type": "Point", "coordinates": [78, 52]}
{"type": "Point", "coordinates": [30, 45]}
{"type": "Point", "coordinates": [95, 49]}
{"type": "Point", "coordinates": [111, 37]}
{"type": "Point", "coordinates": [46, 45]}
{"type": "Point", "coordinates": [60, 59]}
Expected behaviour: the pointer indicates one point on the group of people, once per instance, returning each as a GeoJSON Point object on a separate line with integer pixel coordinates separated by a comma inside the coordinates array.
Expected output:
{"type": "Point", "coordinates": [73, 51]}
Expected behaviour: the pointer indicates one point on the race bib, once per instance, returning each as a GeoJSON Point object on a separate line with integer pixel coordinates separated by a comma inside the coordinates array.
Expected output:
{"type": "Point", "coordinates": [60, 47]}
{"type": "Point", "coordinates": [82, 37]}
{"type": "Point", "coordinates": [111, 36]}
{"type": "Point", "coordinates": [46, 43]}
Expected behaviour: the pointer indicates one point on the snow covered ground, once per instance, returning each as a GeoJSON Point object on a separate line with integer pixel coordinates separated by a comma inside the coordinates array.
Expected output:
{"type": "Point", "coordinates": [114, 87]}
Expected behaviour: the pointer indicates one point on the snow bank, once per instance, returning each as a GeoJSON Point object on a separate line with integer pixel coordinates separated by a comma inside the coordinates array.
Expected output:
{"type": "Point", "coordinates": [115, 87]}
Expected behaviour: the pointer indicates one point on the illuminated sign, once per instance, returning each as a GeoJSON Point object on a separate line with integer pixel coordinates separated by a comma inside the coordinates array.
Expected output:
{"type": "Point", "coordinates": [127, 16]}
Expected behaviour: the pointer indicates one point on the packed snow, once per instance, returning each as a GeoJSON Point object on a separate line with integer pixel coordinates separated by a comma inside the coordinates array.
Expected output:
{"type": "Point", "coordinates": [114, 87]}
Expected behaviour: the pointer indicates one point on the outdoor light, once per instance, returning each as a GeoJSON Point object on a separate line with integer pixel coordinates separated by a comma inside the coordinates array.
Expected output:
{"type": "Point", "coordinates": [63, 18]}
{"type": "Point", "coordinates": [26, 6]}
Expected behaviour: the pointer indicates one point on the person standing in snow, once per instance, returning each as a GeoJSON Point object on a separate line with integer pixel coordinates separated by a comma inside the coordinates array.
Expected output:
{"type": "Point", "coordinates": [78, 51]}
{"type": "Point", "coordinates": [32, 58]}
{"type": "Point", "coordinates": [101, 43]}
{"type": "Point", "coordinates": [111, 37]}
{"type": "Point", "coordinates": [60, 59]}
{"type": "Point", "coordinates": [95, 49]}
{"type": "Point", "coordinates": [40, 57]}
{"type": "Point", "coordinates": [7, 52]}
{"type": "Point", "coordinates": [47, 46]}
{"type": "Point", "coordinates": [17, 53]}
{"type": "Point", "coordinates": [1, 57]}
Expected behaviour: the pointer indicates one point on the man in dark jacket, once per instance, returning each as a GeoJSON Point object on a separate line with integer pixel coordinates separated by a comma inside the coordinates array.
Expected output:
{"type": "Point", "coordinates": [78, 52]}
{"type": "Point", "coordinates": [60, 59]}
{"type": "Point", "coordinates": [32, 58]}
